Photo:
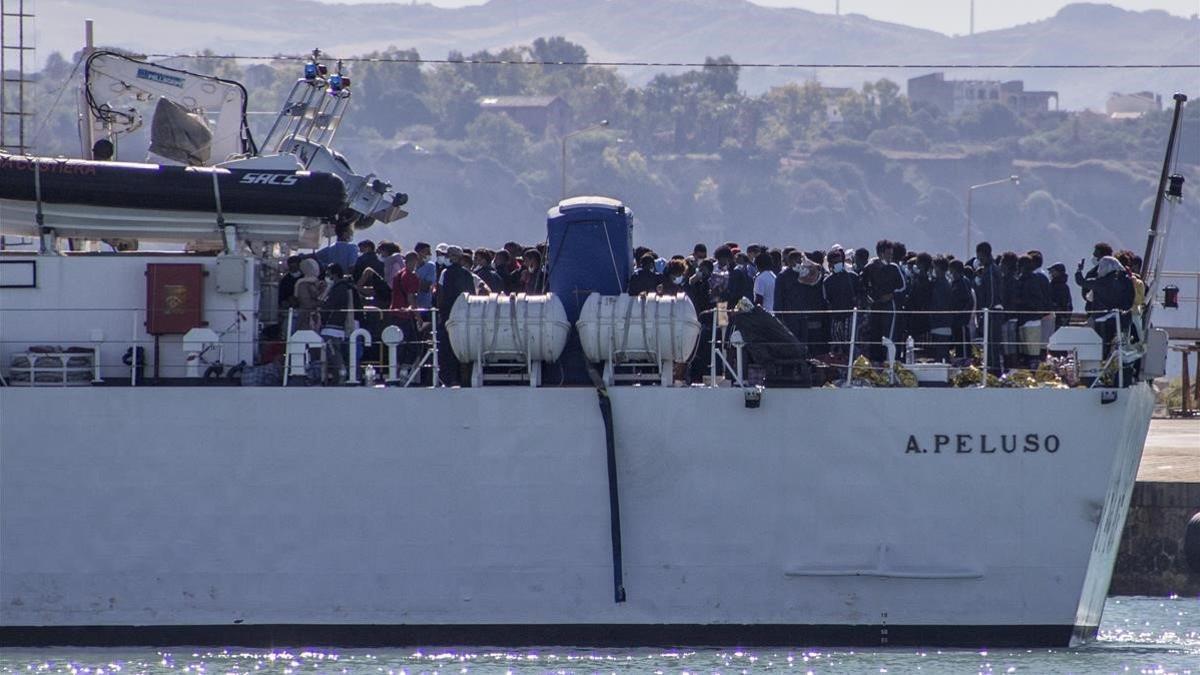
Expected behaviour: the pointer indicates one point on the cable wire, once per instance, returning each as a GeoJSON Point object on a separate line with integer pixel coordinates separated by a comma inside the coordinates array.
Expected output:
{"type": "Point", "coordinates": [57, 98]}
{"type": "Point", "coordinates": [697, 64]}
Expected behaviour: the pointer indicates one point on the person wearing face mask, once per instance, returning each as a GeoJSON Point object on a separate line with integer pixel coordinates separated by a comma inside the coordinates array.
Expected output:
{"type": "Point", "coordinates": [920, 289]}
{"type": "Point", "coordinates": [404, 296]}
{"type": "Point", "coordinates": [883, 280]}
{"type": "Point", "coordinates": [307, 294]}
{"type": "Point", "coordinates": [941, 303]}
{"type": "Point", "coordinates": [989, 294]}
{"type": "Point", "coordinates": [644, 279]}
{"type": "Point", "coordinates": [703, 299]}
{"type": "Point", "coordinates": [340, 310]}
{"type": "Point", "coordinates": [764, 283]}
{"type": "Point", "coordinates": [790, 292]}
{"type": "Point", "coordinates": [510, 276]}
{"type": "Point", "coordinates": [453, 283]}
{"type": "Point", "coordinates": [729, 280]}
{"type": "Point", "coordinates": [674, 279]}
{"type": "Point", "coordinates": [842, 288]}
{"type": "Point", "coordinates": [1112, 294]}
{"type": "Point", "coordinates": [1060, 295]}
{"type": "Point", "coordinates": [965, 302]}
{"type": "Point", "coordinates": [393, 260]}
{"type": "Point", "coordinates": [700, 290]}
{"type": "Point", "coordinates": [427, 273]}
{"type": "Point", "coordinates": [287, 284]}
{"type": "Point", "coordinates": [342, 252]}
{"type": "Point", "coordinates": [699, 253]}
{"type": "Point", "coordinates": [488, 274]}
{"type": "Point", "coordinates": [1031, 305]}
{"type": "Point", "coordinates": [533, 277]}
{"type": "Point", "coordinates": [1087, 279]}
{"type": "Point", "coordinates": [904, 262]}
{"type": "Point", "coordinates": [440, 257]}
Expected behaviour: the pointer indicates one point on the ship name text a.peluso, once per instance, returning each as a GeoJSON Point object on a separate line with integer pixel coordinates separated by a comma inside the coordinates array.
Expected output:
{"type": "Point", "coordinates": [983, 444]}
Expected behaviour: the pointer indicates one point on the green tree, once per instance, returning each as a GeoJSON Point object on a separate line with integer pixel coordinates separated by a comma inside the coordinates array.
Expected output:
{"type": "Point", "coordinates": [720, 75]}
{"type": "Point", "coordinates": [991, 121]}
{"type": "Point", "coordinates": [499, 137]}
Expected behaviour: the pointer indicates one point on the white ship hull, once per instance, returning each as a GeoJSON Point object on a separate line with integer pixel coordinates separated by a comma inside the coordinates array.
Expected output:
{"type": "Point", "coordinates": [481, 516]}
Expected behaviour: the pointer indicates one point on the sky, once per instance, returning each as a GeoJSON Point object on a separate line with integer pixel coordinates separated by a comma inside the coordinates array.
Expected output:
{"type": "Point", "coordinates": [945, 16]}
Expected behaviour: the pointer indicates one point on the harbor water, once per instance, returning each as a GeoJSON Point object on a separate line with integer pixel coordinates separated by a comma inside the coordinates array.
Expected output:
{"type": "Point", "coordinates": [1138, 635]}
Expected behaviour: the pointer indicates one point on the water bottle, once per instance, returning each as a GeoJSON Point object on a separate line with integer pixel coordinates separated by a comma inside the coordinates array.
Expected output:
{"type": "Point", "coordinates": [910, 351]}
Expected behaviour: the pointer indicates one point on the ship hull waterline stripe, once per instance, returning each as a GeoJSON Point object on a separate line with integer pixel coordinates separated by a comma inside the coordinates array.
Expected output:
{"type": "Point", "coordinates": [524, 635]}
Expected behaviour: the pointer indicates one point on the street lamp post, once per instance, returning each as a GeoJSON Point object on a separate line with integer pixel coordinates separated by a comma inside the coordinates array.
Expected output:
{"type": "Point", "coordinates": [1014, 179]}
{"type": "Point", "coordinates": [597, 125]}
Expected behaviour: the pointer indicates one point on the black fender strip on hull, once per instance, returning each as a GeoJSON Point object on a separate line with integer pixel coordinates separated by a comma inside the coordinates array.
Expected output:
{"type": "Point", "coordinates": [524, 635]}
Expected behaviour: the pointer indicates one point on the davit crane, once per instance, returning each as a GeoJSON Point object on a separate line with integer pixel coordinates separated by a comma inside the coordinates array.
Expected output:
{"type": "Point", "coordinates": [300, 138]}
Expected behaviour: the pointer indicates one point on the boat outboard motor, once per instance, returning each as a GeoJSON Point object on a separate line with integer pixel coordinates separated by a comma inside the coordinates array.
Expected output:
{"type": "Point", "coordinates": [368, 198]}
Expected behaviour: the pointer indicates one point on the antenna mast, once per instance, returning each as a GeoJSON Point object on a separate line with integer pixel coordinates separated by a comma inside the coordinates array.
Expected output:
{"type": "Point", "coordinates": [16, 21]}
{"type": "Point", "coordinates": [1168, 186]}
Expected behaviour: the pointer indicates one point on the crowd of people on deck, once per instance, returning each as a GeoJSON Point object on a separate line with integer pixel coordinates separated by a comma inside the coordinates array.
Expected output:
{"type": "Point", "coordinates": [828, 299]}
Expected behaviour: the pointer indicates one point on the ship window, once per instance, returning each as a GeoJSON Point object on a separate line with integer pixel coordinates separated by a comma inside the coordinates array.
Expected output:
{"type": "Point", "coordinates": [18, 274]}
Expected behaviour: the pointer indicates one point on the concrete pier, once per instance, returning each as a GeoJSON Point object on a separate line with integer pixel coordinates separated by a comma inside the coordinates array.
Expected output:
{"type": "Point", "coordinates": [1150, 560]}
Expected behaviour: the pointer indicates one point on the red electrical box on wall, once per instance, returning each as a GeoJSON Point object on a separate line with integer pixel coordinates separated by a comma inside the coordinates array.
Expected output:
{"type": "Point", "coordinates": [174, 298]}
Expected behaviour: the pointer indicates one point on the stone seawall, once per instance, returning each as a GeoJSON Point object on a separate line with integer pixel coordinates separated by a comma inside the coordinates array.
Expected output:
{"type": "Point", "coordinates": [1150, 560]}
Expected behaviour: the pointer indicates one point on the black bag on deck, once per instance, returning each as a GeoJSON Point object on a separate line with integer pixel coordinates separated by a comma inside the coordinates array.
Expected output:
{"type": "Point", "coordinates": [770, 344]}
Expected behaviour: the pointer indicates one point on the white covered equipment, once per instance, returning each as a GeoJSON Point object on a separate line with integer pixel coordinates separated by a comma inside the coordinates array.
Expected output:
{"type": "Point", "coordinates": [653, 329]}
{"type": "Point", "coordinates": [508, 330]}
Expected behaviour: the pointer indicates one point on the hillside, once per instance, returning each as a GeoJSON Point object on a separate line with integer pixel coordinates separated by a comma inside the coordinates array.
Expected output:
{"type": "Point", "coordinates": [660, 30]}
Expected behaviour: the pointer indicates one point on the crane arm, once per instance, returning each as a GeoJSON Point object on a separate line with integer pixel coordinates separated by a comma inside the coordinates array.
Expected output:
{"type": "Point", "coordinates": [110, 77]}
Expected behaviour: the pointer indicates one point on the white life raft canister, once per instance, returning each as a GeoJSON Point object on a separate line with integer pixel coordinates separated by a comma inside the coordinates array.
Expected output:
{"type": "Point", "coordinates": [650, 328]}
{"type": "Point", "coordinates": [508, 328]}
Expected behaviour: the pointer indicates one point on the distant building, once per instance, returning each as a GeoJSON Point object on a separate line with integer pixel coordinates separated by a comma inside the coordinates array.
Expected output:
{"type": "Point", "coordinates": [1132, 106]}
{"type": "Point", "coordinates": [833, 109]}
{"type": "Point", "coordinates": [538, 114]}
{"type": "Point", "coordinates": [955, 97]}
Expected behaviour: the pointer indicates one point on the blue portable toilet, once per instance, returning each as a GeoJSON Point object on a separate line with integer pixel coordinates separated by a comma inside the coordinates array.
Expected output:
{"type": "Point", "coordinates": [589, 250]}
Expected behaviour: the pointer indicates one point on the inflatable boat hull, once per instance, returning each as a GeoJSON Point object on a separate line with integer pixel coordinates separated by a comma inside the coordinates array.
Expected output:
{"type": "Point", "coordinates": [168, 203]}
{"type": "Point", "coordinates": [106, 222]}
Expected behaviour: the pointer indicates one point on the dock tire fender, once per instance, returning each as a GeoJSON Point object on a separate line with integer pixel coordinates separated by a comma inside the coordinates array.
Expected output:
{"type": "Point", "coordinates": [1191, 544]}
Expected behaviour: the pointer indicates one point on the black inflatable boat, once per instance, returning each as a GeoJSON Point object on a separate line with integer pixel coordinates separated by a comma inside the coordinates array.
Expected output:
{"type": "Point", "coordinates": [171, 188]}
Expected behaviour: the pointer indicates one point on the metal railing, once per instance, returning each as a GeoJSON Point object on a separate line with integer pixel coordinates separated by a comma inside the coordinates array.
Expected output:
{"type": "Point", "coordinates": [119, 347]}
{"type": "Point", "coordinates": [1192, 279]}
{"type": "Point", "coordinates": [981, 344]}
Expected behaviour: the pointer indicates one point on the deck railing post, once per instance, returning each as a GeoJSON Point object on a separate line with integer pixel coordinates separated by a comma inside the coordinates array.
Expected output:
{"type": "Point", "coordinates": [1120, 355]}
{"type": "Point", "coordinates": [436, 363]}
{"type": "Point", "coordinates": [133, 353]}
{"type": "Point", "coordinates": [853, 340]}
{"type": "Point", "coordinates": [287, 336]}
{"type": "Point", "coordinates": [987, 340]}
{"type": "Point", "coordinates": [712, 352]}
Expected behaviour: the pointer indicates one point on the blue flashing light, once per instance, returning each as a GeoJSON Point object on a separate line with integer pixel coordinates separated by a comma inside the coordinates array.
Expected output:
{"type": "Point", "coordinates": [310, 71]}
{"type": "Point", "coordinates": [335, 83]}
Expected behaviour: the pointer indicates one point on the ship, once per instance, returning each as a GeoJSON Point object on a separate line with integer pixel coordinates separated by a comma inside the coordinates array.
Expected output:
{"type": "Point", "coordinates": [146, 498]}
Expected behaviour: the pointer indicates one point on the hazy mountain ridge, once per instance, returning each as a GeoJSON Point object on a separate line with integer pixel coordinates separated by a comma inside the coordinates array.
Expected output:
{"type": "Point", "coordinates": [672, 30]}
